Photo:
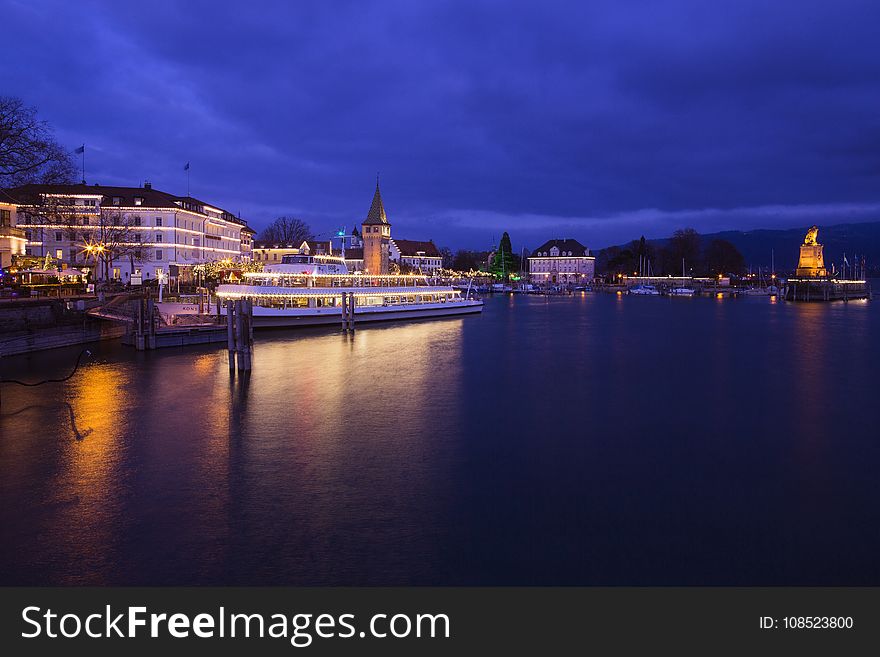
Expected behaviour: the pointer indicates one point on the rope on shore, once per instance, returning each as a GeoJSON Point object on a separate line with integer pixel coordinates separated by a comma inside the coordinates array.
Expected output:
{"type": "Point", "coordinates": [84, 352]}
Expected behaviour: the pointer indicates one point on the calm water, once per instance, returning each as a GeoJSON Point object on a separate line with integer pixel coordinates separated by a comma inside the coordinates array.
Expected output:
{"type": "Point", "coordinates": [585, 440]}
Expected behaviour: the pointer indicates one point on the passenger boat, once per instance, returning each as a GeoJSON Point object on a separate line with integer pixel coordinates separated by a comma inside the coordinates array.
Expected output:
{"type": "Point", "coordinates": [305, 290]}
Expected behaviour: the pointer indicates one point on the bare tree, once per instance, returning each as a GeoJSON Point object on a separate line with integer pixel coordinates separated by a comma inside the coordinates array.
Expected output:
{"type": "Point", "coordinates": [28, 150]}
{"type": "Point", "coordinates": [41, 213]}
{"type": "Point", "coordinates": [287, 230]}
{"type": "Point", "coordinates": [118, 235]}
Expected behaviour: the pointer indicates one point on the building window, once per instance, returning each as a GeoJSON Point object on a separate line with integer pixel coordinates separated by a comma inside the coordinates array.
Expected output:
{"type": "Point", "coordinates": [158, 237]}
{"type": "Point", "coordinates": [158, 254]}
{"type": "Point", "coordinates": [117, 200]}
{"type": "Point", "coordinates": [59, 254]}
{"type": "Point", "coordinates": [138, 200]}
{"type": "Point", "coordinates": [5, 217]}
{"type": "Point", "coordinates": [58, 236]}
{"type": "Point", "coordinates": [136, 237]}
{"type": "Point", "coordinates": [137, 220]}
{"type": "Point", "coordinates": [158, 221]}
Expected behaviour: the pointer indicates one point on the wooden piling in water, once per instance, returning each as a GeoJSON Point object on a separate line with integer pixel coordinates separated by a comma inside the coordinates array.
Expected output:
{"type": "Point", "coordinates": [345, 312]}
{"type": "Point", "coordinates": [139, 327]}
{"type": "Point", "coordinates": [250, 316]}
{"type": "Point", "coordinates": [151, 324]}
{"type": "Point", "coordinates": [348, 312]}
{"type": "Point", "coordinates": [230, 334]}
{"type": "Point", "coordinates": [246, 346]}
{"type": "Point", "coordinates": [239, 327]}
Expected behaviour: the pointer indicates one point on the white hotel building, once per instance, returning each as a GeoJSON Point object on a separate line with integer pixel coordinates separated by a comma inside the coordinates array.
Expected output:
{"type": "Point", "coordinates": [562, 262]}
{"type": "Point", "coordinates": [146, 231]}
{"type": "Point", "coordinates": [12, 240]}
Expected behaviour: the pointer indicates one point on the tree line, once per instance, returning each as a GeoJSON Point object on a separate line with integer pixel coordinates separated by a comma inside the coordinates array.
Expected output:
{"type": "Point", "coordinates": [685, 249]}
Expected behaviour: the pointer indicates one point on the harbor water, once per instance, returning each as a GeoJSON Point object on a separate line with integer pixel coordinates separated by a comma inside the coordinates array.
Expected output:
{"type": "Point", "coordinates": [591, 439]}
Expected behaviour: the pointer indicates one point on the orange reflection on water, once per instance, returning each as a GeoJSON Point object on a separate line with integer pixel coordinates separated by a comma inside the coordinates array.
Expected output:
{"type": "Point", "coordinates": [339, 415]}
{"type": "Point", "coordinates": [86, 488]}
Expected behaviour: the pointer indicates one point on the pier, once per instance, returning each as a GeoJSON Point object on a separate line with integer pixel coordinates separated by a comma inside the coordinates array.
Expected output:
{"type": "Point", "coordinates": [146, 330]}
{"type": "Point", "coordinates": [817, 289]}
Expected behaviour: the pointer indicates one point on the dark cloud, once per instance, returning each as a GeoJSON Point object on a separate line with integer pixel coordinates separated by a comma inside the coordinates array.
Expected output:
{"type": "Point", "coordinates": [600, 120]}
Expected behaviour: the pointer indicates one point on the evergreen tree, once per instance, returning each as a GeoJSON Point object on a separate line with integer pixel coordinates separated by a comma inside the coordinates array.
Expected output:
{"type": "Point", "coordinates": [503, 262]}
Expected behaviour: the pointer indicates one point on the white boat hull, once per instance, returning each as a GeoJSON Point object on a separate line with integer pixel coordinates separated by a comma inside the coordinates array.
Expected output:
{"type": "Point", "coordinates": [332, 316]}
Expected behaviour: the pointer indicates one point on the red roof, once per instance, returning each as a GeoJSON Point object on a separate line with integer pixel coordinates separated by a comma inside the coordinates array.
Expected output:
{"type": "Point", "coordinates": [413, 248]}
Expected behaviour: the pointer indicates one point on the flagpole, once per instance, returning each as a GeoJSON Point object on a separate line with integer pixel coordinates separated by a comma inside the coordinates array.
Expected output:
{"type": "Point", "coordinates": [83, 147]}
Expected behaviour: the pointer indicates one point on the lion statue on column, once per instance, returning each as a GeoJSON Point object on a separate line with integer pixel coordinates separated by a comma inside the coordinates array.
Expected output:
{"type": "Point", "coordinates": [811, 238]}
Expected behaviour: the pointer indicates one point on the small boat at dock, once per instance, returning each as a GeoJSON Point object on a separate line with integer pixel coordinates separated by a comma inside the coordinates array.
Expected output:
{"type": "Point", "coordinates": [645, 290]}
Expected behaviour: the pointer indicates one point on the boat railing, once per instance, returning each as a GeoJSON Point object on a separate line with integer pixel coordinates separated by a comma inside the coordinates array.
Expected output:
{"type": "Point", "coordinates": [282, 279]}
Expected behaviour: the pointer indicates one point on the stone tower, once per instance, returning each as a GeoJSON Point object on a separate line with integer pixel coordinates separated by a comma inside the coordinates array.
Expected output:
{"type": "Point", "coordinates": [811, 264]}
{"type": "Point", "coordinates": [376, 234]}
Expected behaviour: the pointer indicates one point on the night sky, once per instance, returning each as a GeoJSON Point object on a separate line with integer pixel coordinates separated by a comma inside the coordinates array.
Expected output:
{"type": "Point", "coordinates": [595, 120]}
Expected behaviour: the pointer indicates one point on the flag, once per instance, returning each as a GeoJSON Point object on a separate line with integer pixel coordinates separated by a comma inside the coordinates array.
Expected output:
{"type": "Point", "coordinates": [80, 150]}
{"type": "Point", "coordinates": [186, 167]}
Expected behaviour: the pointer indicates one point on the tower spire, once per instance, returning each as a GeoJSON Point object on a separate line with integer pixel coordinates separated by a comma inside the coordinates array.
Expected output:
{"type": "Point", "coordinates": [377, 215]}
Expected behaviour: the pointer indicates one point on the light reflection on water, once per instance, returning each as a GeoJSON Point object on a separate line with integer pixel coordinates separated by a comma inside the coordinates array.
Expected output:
{"type": "Point", "coordinates": [584, 440]}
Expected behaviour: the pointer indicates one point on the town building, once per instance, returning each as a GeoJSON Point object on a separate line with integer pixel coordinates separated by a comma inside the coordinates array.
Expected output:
{"type": "Point", "coordinates": [421, 257]}
{"type": "Point", "coordinates": [566, 262]}
{"type": "Point", "coordinates": [343, 242]}
{"type": "Point", "coordinates": [371, 250]}
{"type": "Point", "coordinates": [12, 239]}
{"type": "Point", "coordinates": [376, 235]}
{"type": "Point", "coordinates": [354, 258]}
{"type": "Point", "coordinates": [146, 232]}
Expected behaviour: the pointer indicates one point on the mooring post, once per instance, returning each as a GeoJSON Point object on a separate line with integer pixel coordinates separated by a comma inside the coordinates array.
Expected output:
{"type": "Point", "coordinates": [351, 312]}
{"type": "Point", "coordinates": [244, 354]}
{"type": "Point", "coordinates": [230, 334]}
{"type": "Point", "coordinates": [250, 314]}
{"type": "Point", "coordinates": [139, 327]}
{"type": "Point", "coordinates": [239, 334]}
{"type": "Point", "coordinates": [151, 325]}
{"type": "Point", "coordinates": [345, 312]}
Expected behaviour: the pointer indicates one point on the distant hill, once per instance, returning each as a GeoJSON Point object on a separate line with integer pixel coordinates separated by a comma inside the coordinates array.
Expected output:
{"type": "Point", "coordinates": [757, 245]}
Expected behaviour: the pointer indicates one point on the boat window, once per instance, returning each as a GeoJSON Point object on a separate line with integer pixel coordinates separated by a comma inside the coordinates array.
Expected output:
{"type": "Point", "coordinates": [296, 259]}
